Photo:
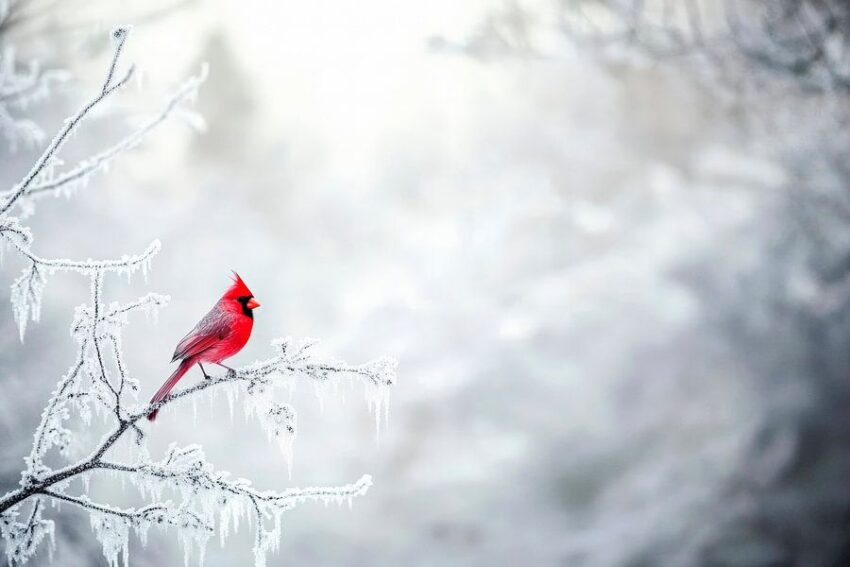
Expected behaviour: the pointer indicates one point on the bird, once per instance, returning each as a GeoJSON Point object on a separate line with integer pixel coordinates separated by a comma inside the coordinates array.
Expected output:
{"type": "Point", "coordinates": [219, 335]}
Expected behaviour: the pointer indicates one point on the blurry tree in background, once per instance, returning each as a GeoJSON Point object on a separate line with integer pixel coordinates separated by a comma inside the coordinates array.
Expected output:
{"type": "Point", "coordinates": [775, 289]}
{"type": "Point", "coordinates": [779, 292]}
{"type": "Point", "coordinates": [789, 62]}
{"type": "Point", "coordinates": [807, 39]}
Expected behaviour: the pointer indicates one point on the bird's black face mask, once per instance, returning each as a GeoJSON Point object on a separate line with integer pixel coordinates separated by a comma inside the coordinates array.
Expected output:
{"type": "Point", "coordinates": [243, 301]}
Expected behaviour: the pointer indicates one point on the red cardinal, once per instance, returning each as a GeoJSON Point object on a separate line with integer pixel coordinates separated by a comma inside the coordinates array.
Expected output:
{"type": "Point", "coordinates": [219, 335]}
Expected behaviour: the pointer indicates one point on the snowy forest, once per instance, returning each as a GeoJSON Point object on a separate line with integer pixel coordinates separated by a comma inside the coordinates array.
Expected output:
{"type": "Point", "coordinates": [593, 251]}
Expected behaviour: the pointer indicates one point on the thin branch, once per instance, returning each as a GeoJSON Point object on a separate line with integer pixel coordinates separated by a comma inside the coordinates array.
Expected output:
{"type": "Point", "coordinates": [97, 291]}
{"type": "Point", "coordinates": [88, 504]}
{"type": "Point", "coordinates": [289, 497]}
{"type": "Point", "coordinates": [108, 88]}
{"type": "Point", "coordinates": [92, 164]}
{"type": "Point", "coordinates": [127, 263]}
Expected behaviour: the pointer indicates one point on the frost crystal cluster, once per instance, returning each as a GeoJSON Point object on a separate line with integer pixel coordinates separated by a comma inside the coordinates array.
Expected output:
{"type": "Point", "coordinates": [182, 489]}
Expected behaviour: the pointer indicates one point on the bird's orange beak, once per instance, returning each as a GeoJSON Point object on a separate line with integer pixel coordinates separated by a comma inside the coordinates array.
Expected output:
{"type": "Point", "coordinates": [252, 303]}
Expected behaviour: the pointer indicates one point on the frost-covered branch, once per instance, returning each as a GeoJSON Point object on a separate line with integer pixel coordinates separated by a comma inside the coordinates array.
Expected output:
{"type": "Point", "coordinates": [99, 383]}
{"type": "Point", "coordinates": [22, 539]}
{"type": "Point", "coordinates": [187, 469]}
{"type": "Point", "coordinates": [208, 494]}
{"type": "Point", "coordinates": [47, 159]}
{"type": "Point", "coordinates": [79, 174]}
{"type": "Point", "coordinates": [295, 360]}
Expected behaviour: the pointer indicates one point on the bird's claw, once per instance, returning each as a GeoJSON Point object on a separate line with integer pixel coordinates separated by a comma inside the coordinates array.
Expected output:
{"type": "Point", "coordinates": [231, 373]}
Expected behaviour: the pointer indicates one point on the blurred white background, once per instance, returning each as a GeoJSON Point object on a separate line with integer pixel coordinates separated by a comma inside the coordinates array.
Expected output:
{"type": "Point", "coordinates": [574, 259]}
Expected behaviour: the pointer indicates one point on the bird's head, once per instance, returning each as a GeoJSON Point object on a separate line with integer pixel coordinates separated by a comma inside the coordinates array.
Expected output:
{"type": "Point", "coordinates": [239, 293]}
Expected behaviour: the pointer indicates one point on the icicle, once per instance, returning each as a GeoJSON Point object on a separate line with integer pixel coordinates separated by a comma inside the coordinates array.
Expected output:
{"type": "Point", "coordinates": [114, 536]}
{"type": "Point", "coordinates": [230, 393]}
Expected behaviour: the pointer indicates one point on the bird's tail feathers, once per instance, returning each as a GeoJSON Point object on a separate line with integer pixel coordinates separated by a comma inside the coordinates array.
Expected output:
{"type": "Point", "coordinates": [160, 395]}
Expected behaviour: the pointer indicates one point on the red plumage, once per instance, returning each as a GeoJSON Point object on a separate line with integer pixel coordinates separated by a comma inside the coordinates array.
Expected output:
{"type": "Point", "coordinates": [219, 335]}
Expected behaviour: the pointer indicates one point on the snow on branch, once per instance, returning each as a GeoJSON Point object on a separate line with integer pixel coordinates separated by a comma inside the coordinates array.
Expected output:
{"type": "Point", "coordinates": [79, 175]}
{"type": "Point", "coordinates": [47, 160]}
{"type": "Point", "coordinates": [43, 178]}
{"type": "Point", "coordinates": [182, 490]}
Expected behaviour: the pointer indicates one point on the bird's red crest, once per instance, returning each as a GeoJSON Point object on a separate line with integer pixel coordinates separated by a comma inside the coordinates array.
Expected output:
{"type": "Point", "coordinates": [237, 288]}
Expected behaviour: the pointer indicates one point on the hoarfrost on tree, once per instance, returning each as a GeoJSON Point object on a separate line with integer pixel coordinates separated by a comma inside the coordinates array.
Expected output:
{"type": "Point", "coordinates": [184, 490]}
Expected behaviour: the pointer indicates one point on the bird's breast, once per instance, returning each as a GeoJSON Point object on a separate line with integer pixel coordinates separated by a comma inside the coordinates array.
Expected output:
{"type": "Point", "coordinates": [240, 332]}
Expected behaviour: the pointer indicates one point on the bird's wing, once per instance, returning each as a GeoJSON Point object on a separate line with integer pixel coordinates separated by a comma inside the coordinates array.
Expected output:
{"type": "Point", "coordinates": [207, 333]}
